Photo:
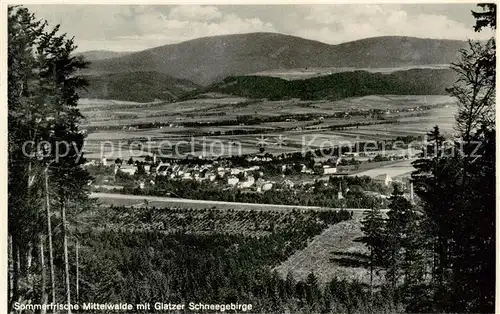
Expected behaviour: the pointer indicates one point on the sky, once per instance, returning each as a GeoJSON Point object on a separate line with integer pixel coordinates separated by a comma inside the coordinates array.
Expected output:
{"type": "Point", "coordinates": [134, 28]}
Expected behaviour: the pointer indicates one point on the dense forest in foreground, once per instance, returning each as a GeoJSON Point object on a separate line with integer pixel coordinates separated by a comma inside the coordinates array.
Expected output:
{"type": "Point", "coordinates": [139, 265]}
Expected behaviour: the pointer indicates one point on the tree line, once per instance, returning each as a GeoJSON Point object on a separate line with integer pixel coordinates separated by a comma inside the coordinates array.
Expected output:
{"type": "Point", "coordinates": [440, 252]}
{"type": "Point", "coordinates": [47, 187]}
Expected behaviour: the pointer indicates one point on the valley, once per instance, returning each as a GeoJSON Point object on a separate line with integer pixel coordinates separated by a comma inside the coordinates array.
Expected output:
{"type": "Point", "coordinates": [221, 122]}
{"type": "Point", "coordinates": [247, 152]}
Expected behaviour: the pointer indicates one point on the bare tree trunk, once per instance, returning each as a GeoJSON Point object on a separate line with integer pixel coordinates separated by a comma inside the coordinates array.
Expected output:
{"type": "Point", "coordinates": [17, 272]}
{"type": "Point", "coordinates": [371, 274]}
{"type": "Point", "coordinates": [66, 257]}
{"type": "Point", "coordinates": [11, 272]}
{"type": "Point", "coordinates": [10, 267]}
{"type": "Point", "coordinates": [49, 233]}
{"type": "Point", "coordinates": [44, 296]}
{"type": "Point", "coordinates": [77, 272]}
{"type": "Point", "coordinates": [29, 260]}
{"type": "Point", "coordinates": [29, 256]}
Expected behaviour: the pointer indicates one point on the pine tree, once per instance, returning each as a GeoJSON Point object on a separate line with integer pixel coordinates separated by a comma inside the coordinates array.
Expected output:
{"type": "Point", "coordinates": [42, 108]}
{"type": "Point", "coordinates": [26, 126]}
{"type": "Point", "coordinates": [400, 230]}
{"type": "Point", "coordinates": [457, 189]}
{"type": "Point", "coordinates": [373, 227]}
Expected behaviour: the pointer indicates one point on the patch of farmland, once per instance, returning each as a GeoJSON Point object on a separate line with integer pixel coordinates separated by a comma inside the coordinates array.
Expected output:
{"type": "Point", "coordinates": [103, 135]}
{"type": "Point", "coordinates": [335, 253]}
{"type": "Point", "coordinates": [379, 133]}
{"type": "Point", "coordinates": [279, 107]}
{"type": "Point", "coordinates": [443, 117]}
{"type": "Point", "coordinates": [315, 140]}
{"type": "Point", "coordinates": [385, 102]}
{"type": "Point", "coordinates": [289, 124]}
{"type": "Point", "coordinates": [310, 72]}
{"type": "Point", "coordinates": [98, 101]}
{"type": "Point", "coordinates": [151, 111]}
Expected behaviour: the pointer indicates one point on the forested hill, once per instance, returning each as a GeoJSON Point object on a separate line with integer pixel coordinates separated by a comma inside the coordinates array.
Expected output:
{"type": "Point", "coordinates": [339, 85]}
{"type": "Point", "coordinates": [136, 86]}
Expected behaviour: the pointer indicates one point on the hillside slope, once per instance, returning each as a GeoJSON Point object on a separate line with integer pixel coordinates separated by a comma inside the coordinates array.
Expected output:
{"type": "Point", "coordinates": [209, 59]}
{"type": "Point", "coordinates": [136, 86]}
{"type": "Point", "coordinates": [94, 55]}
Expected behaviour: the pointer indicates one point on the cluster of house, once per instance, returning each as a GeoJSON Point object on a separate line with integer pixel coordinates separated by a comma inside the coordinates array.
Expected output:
{"type": "Point", "coordinates": [239, 177]}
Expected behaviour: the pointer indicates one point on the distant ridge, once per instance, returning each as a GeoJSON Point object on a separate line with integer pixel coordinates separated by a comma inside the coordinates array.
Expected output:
{"type": "Point", "coordinates": [210, 59]}
{"type": "Point", "coordinates": [94, 55]}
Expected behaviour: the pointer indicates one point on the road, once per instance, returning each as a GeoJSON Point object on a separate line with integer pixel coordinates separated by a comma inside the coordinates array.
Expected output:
{"type": "Point", "coordinates": [143, 200]}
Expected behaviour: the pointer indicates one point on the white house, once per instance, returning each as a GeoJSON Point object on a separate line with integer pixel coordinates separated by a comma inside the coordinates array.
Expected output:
{"type": "Point", "coordinates": [208, 175]}
{"type": "Point", "coordinates": [221, 173]}
{"type": "Point", "coordinates": [267, 186]}
{"type": "Point", "coordinates": [235, 171]}
{"type": "Point", "coordinates": [329, 170]}
{"type": "Point", "coordinates": [128, 169]}
{"type": "Point", "coordinates": [232, 181]}
{"type": "Point", "coordinates": [248, 182]}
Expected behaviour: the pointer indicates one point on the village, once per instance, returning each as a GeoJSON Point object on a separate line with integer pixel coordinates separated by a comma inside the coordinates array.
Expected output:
{"type": "Point", "coordinates": [248, 174]}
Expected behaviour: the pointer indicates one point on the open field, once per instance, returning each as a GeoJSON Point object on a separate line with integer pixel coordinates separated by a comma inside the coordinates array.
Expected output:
{"type": "Point", "coordinates": [277, 137]}
{"type": "Point", "coordinates": [335, 253]}
{"type": "Point", "coordinates": [125, 113]}
{"type": "Point", "coordinates": [416, 125]}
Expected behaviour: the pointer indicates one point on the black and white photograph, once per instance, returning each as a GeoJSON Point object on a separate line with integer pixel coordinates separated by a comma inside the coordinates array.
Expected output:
{"type": "Point", "coordinates": [250, 158]}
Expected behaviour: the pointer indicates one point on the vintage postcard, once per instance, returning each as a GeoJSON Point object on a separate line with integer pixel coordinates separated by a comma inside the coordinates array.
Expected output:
{"type": "Point", "coordinates": [216, 158]}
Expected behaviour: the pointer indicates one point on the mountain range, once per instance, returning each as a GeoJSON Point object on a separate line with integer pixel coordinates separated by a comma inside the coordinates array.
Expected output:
{"type": "Point", "coordinates": [206, 61]}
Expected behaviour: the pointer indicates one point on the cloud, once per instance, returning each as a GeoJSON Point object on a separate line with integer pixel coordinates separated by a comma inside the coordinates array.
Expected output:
{"type": "Point", "coordinates": [155, 28]}
{"type": "Point", "coordinates": [194, 13]}
{"type": "Point", "coordinates": [336, 24]}
{"type": "Point", "coordinates": [132, 28]}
